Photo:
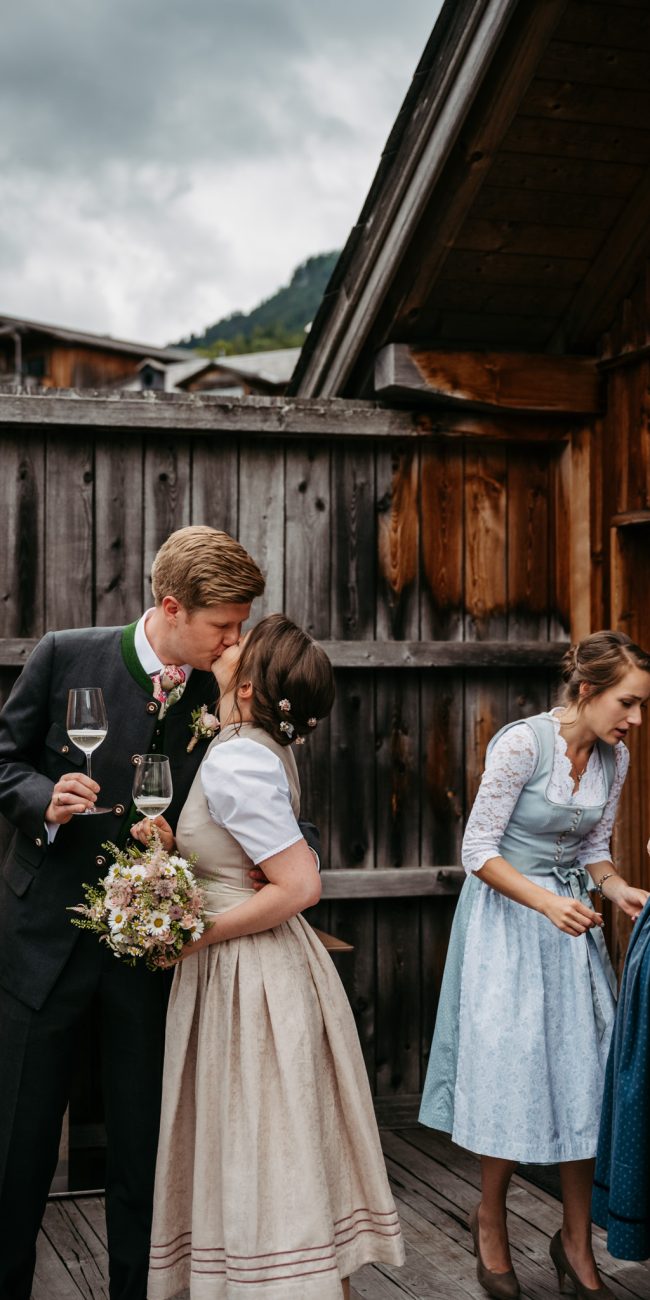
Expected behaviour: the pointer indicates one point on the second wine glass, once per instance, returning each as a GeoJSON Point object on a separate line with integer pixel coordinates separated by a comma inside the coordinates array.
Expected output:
{"type": "Point", "coordinates": [152, 785]}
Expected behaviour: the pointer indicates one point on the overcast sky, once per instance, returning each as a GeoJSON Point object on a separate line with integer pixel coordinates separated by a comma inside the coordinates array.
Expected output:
{"type": "Point", "coordinates": [165, 163]}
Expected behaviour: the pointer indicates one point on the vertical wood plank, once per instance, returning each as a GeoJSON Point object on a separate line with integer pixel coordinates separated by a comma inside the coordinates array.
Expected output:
{"type": "Point", "coordinates": [215, 484]}
{"type": "Point", "coordinates": [69, 531]}
{"type": "Point", "coordinates": [166, 496]}
{"type": "Point", "coordinates": [528, 561]}
{"type": "Point", "coordinates": [442, 510]}
{"type": "Point", "coordinates": [354, 565]}
{"type": "Point", "coordinates": [485, 598]}
{"type": "Point", "coordinates": [119, 531]}
{"type": "Point", "coordinates": [307, 538]}
{"type": "Point", "coordinates": [353, 842]}
{"type": "Point", "coordinates": [307, 600]}
{"type": "Point", "coordinates": [353, 796]}
{"type": "Point", "coordinates": [397, 741]}
{"type": "Point", "coordinates": [397, 488]}
{"type": "Point", "coordinates": [261, 517]}
{"type": "Point", "coordinates": [22, 509]}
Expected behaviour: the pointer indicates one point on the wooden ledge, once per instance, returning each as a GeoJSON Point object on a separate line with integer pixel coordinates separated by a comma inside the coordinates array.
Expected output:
{"type": "Point", "coordinates": [504, 381]}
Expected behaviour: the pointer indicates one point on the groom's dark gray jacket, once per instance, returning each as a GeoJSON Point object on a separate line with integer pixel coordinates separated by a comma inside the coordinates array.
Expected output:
{"type": "Point", "coordinates": [38, 882]}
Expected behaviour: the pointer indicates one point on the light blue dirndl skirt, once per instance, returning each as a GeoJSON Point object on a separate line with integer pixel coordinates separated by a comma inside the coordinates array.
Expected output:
{"type": "Point", "coordinates": [524, 1022]}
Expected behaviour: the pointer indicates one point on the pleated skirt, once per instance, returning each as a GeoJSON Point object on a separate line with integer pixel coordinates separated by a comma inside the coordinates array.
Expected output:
{"type": "Point", "coordinates": [270, 1171]}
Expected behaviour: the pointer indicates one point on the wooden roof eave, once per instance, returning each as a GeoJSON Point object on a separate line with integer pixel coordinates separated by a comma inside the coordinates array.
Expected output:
{"type": "Point", "coordinates": [440, 108]}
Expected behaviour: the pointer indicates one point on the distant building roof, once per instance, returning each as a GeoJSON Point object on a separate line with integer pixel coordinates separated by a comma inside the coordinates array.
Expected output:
{"type": "Point", "coordinates": [86, 339]}
{"type": "Point", "coordinates": [274, 367]}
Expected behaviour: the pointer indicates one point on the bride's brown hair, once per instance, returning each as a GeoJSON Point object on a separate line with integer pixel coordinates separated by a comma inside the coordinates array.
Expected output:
{"type": "Point", "coordinates": [600, 660]}
{"type": "Point", "coordinates": [293, 682]}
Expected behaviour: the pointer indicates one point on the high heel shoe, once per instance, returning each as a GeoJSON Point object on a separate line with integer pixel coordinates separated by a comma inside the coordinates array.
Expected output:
{"type": "Point", "coordinates": [567, 1278]}
{"type": "Point", "coordinates": [502, 1286]}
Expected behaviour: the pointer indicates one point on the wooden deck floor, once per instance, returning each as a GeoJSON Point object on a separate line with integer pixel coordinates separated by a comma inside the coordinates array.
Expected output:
{"type": "Point", "coordinates": [434, 1185]}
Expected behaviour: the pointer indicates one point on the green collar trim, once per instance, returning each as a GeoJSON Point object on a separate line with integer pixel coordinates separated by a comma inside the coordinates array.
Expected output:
{"type": "Point", "coordinates": [131, 659]}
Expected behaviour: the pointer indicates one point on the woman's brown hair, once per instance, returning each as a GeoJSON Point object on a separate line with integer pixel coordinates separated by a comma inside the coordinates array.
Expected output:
{"type": "Point", "coordinates": [600, 660]}
{"type": "Point", "coordinates": [292, 677]}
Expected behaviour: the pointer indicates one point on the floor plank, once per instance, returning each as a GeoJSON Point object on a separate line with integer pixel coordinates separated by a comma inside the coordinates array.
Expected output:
{"type": "Point", "coordinates": [435, 1185]}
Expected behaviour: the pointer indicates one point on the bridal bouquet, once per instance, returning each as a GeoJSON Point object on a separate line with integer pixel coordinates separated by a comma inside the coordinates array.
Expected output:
{"type": "Point", "coordinates": [149, 905]}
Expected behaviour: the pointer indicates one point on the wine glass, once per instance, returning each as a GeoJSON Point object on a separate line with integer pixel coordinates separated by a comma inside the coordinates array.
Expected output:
{"type": "Point", "coordinates": [87, 725]}
{"type": "Point", "coordinates": [152, 785]}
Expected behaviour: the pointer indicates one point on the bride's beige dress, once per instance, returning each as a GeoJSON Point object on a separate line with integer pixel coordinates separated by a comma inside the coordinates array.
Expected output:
{"type": "Point", "coordinates": [270, 1180]}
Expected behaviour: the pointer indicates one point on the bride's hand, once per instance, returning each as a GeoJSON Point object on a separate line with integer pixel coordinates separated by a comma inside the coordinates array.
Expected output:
{"type": "Point", "coordinates": [142, 831]}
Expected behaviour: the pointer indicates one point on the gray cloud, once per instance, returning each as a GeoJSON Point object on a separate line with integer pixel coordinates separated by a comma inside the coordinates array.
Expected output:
{"type": "Point", "coordinates": [203, 148]}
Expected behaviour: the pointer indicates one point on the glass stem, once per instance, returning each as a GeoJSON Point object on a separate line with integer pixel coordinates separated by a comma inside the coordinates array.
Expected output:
{"type": "Point", "coordinates": [88, 757]}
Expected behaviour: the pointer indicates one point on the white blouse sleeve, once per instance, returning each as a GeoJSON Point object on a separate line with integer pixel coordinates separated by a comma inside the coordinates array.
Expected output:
{"type": "Point", "coordinates": [248, 794]}
{"type": "Point", "coordinates": [595, 845]}
{"type": "Point", "coordinates": [509, 765]}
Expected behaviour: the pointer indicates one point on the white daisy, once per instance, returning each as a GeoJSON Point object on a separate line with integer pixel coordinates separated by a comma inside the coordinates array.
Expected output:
{"type": "Point", "coordinates": [116, 919]}
{"type": "Point", "coordinates": [158, 923]}
{"type": "Point", "coordinates": [197, 931]}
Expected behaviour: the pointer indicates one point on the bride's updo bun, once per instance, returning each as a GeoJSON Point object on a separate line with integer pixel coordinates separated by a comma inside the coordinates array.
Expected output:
{"type": "Point", "coordinates": [600, 660]}
{"type": "Point", "coordinates": [292, 677]}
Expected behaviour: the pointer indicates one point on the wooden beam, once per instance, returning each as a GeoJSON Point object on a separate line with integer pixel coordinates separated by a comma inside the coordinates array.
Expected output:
{"type": "Point", "coordinates": [610, 277]}
{"type": "Point", "coordinates": [631, 519]}
{"type": "Point", "coordinates": [506, 381]}
{"type": "Point", "coordinates": [392, 882]}
{"type": "Point", "coordinates": [14, 653]}
{"type": "Point", "coordinates": [206, 413]}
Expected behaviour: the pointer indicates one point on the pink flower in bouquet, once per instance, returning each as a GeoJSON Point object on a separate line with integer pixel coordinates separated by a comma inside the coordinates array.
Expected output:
{"type": "Point", "coordinates": [165, 888]}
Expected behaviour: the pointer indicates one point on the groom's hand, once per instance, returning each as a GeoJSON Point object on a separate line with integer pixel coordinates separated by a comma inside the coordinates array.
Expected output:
{"type": "Point", "coordinates": [73, 793]}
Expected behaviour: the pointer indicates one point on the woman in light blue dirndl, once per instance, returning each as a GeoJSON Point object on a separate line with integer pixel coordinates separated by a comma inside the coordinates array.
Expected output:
{"type": "Point", "coordinates": [528, 996]}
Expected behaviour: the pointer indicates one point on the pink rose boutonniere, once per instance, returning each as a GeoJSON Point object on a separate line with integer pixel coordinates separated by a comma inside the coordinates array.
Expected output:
{"type": "Point", "coordinates": [204, 726]}
{"type": "Point", "coordinates": [168, 686]}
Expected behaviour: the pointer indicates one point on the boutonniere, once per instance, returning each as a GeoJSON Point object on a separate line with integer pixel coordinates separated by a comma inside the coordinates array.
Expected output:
{"type": "Point", "coordinates": [168, 686]}
{"type": "Point", "coordinates": [204, 726]}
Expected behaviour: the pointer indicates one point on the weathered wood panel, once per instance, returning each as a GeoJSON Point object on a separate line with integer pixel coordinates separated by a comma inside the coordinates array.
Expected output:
{"type": "Point", "coordinates": [434, 558]}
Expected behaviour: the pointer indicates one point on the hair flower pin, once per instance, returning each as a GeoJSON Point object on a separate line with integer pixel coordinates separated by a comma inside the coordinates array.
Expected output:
{"type": "Point", "coordinates": [284, 706]}
{"type": "Point", "coordinates": [300, 740]}
{"type": "Point", "coordinates": [288, 728]}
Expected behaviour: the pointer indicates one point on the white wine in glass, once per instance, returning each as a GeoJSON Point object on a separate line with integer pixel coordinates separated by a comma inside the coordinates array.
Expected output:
{"type": "Point", "coordinates": [152, 785]}
{"type": "Point", "coordinates": [87, 725]}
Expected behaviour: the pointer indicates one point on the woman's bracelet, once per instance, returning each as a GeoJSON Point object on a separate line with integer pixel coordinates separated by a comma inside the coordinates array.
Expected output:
{"type": "Point", "coordinates": [601, 882]}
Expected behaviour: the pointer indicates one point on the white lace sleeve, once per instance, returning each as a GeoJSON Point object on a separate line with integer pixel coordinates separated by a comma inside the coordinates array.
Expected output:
{"type": "Point", "coordinates": [595, 846]}
{"type": "Point", "coordinates": [509, 766]}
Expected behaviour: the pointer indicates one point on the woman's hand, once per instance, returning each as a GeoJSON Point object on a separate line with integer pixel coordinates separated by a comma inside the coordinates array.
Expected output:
{"type": "Point", "coordinates": [143, 831]}
{"type": "Point", "coordinates": [570, 915]}
{"type": "Point", "coordinates": [630, 900]}
{"type": "Point", "coordinates": [189, 950]}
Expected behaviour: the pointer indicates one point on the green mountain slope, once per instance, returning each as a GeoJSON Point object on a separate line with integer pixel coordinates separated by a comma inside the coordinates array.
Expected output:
{"type": "Point", "coordinates": [278, 322]}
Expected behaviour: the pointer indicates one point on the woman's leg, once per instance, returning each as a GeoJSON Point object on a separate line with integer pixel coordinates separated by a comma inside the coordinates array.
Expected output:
{"type": "Point", "coordinates": [493, 1232]}
{"type": "Point", "coordinates": [576, 1177]}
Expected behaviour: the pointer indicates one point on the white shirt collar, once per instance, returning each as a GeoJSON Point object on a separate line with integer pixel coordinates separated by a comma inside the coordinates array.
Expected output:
{"type": "Point", "coordinates": [145, 651]}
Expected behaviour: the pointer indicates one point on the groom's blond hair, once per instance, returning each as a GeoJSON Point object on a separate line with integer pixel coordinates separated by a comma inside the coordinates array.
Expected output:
{"type": "Point", "coordinates": [202, 566]}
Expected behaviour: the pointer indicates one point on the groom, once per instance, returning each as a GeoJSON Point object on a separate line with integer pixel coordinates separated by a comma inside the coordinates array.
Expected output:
{"type": "Point", "coordinates": [50, 973]}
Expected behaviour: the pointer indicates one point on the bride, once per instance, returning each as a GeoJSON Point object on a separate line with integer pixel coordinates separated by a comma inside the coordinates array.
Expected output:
{"type": "Point", "coordinates": [269, 1171]}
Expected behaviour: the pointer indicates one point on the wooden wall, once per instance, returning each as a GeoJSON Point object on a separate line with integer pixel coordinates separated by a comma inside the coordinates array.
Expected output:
{"type": "Point", "coordinates": [626, 535]}
{"type": "Point", "coordinates": [423, 549]}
